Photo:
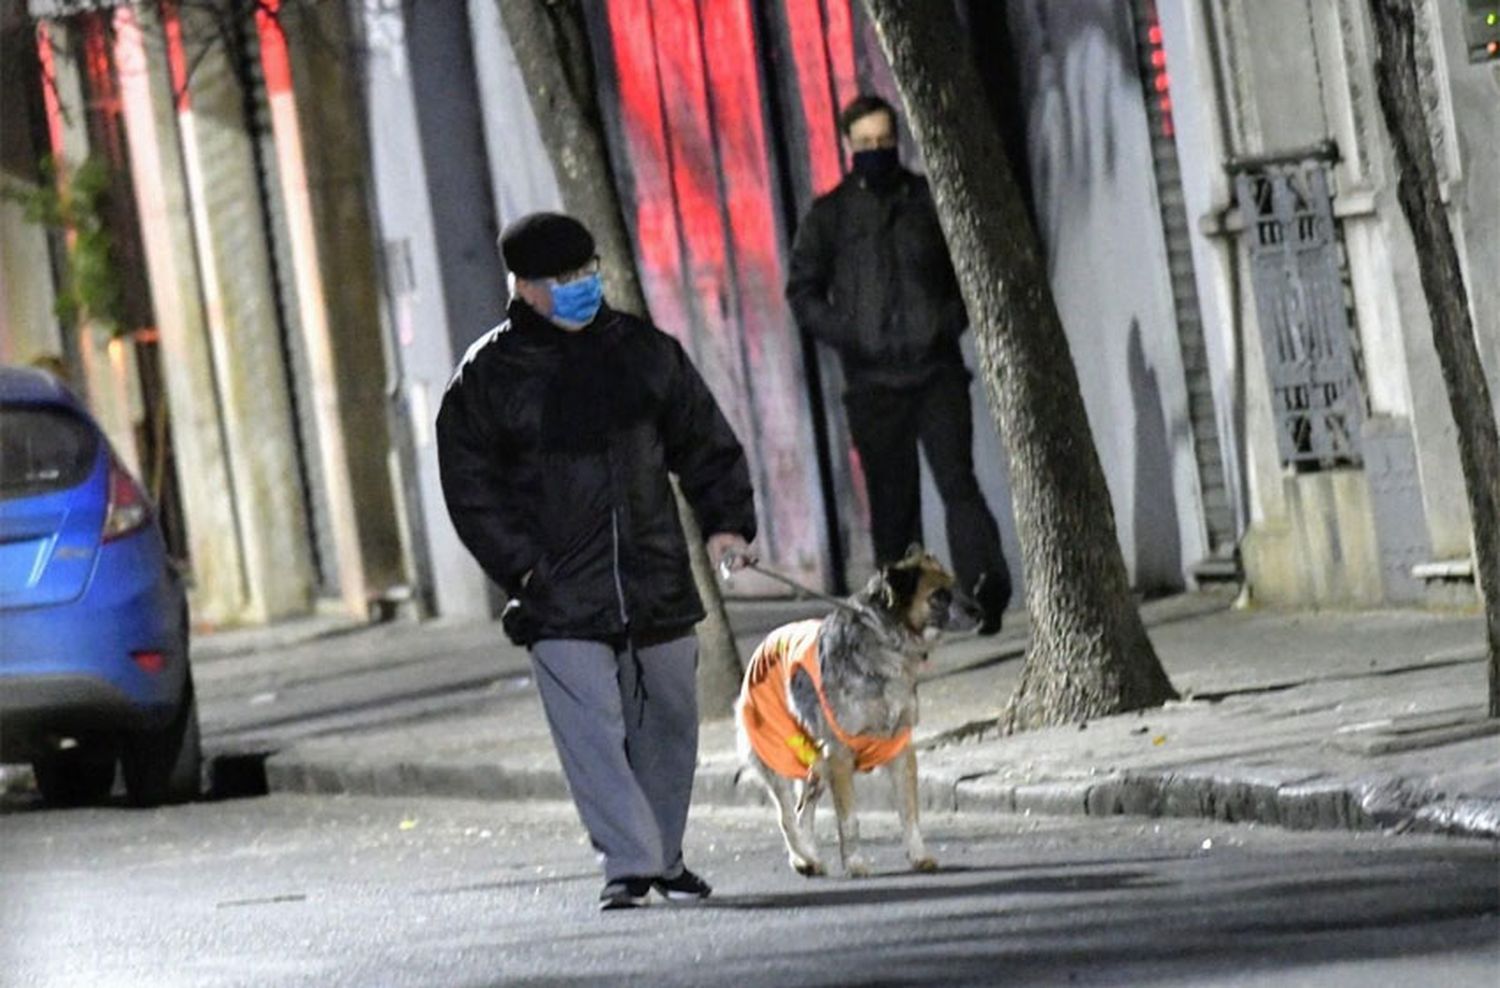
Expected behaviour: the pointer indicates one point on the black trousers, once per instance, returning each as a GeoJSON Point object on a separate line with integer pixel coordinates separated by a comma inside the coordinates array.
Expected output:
{"type": "Point", "coordinates": [886, 424]}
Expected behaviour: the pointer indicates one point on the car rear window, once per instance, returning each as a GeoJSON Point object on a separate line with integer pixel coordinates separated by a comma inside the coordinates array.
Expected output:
{"type": "Point", "coordinates": [43, 449]}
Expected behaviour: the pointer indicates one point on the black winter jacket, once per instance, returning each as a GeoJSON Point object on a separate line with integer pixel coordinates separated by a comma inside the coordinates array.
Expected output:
{"type": "Point", "coordinates": [554, 449]}
{"type": "Point", "coordinates": [871, 277]}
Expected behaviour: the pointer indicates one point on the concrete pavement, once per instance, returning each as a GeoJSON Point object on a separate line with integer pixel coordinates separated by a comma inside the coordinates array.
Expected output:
{"type": "Point", "coordinates": [1368, 720]}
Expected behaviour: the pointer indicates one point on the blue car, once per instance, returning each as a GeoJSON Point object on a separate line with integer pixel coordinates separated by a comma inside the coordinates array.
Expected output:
{"type": "Point", "coordinates": [93, 615]}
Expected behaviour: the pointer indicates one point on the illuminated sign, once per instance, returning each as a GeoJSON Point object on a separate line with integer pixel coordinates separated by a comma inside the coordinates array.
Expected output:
{"type": "Point", "coordinates": [1482, 30]}
{"type": "Point", "coordinates": [1158, 81]}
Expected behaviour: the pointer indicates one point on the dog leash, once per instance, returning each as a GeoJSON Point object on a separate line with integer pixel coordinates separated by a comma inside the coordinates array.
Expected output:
{"type": "Point", "coordinates": [863, 614]}
{"type": "Point", "coordinates": [802, 589]}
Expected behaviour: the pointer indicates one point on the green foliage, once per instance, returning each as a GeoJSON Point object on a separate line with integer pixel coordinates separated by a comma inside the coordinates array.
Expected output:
{"type": "Point", "coordinates": [77, 203]}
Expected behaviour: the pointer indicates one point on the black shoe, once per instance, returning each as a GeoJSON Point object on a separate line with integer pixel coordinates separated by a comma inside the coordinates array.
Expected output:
{"type": "Point", "coordinates": [992, 594]}
{"type": "Point", "coordinates": [686, 887]}
{"type": "Point", "coordinates": [625, 893]}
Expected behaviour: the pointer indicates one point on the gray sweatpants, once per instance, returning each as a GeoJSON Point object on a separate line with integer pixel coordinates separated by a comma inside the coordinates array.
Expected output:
{"type": "Point", "coordinates": [628, 747]}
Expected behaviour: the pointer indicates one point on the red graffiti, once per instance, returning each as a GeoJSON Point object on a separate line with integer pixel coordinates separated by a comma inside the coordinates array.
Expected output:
{"type": "Point", "coordinates": [49, 94]}
{"type": "Point", "coordinates": [820, 116]}
{"type": "Point", "coordinates": [274, 59]}
{"type": "Point", "coordinates": [176, 55]}
{"type": "Point", "coordinates": [657, 238]}
{"type": "Point", "coordinates": [692, 110]}
{"type": "Point", "coordinates": [770, 354]}
{"type": "Point", "coordinates": [838, 32]}
{"type": "Point", "coordinates": [103, 92]}
{"type": "Point", "coordinates": [822, 44]}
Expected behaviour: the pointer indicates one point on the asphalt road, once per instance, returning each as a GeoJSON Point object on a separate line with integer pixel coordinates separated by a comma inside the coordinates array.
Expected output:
{"type": "Point", "coordinates": [292, 890]}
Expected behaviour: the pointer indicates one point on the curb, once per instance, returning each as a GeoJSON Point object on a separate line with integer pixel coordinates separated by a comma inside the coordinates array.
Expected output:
{"type": "Point", "coordinates": [231, 643]}
{"type": "Point", "coordinates": [1277, 796]}
{"type": "Point", "coordinates": [289, 774]}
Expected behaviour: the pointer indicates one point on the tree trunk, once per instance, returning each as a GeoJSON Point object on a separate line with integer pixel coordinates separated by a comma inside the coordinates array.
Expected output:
{"type": "Point", "coordinates": [1089, 655]}
{"type": "Point", "coordinates": [550, 41]}
{"type": "Point", "coordinates": [1403, 106]}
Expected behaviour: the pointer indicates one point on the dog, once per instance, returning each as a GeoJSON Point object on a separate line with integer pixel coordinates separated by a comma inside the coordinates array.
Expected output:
{"type": "Point", "coordinates": [823, 699]}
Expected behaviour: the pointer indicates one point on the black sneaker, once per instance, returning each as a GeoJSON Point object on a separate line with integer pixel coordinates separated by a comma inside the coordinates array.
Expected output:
{"type": "Point", "coordinates": [685, 887]}
{"type": "Point", "coordinates": [625, 893]}
{"type": "Point", "coordinates": [992, 594]}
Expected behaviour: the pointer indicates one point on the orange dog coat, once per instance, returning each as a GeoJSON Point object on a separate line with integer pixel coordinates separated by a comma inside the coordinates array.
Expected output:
{"type": "Point", "coordinates": [778, 737]}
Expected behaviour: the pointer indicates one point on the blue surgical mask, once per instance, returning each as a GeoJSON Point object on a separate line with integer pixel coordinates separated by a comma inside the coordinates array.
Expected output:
{"type": "Point", "coordinates": [575, 303]}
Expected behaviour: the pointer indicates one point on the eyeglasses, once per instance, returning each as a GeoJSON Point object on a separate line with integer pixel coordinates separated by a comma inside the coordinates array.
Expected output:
{"type": "Point", "coordinates": [578, 274]}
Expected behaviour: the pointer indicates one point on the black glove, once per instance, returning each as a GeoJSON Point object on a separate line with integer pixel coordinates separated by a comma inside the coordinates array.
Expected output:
{"type": "Point", "coordinates": [519, 623]}
{"type": "Point", "coordinates": [519, 619]}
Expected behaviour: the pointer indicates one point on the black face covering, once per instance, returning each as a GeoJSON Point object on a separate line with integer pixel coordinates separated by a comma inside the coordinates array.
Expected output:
{"type": "Point", "coordinates": [879, 167]}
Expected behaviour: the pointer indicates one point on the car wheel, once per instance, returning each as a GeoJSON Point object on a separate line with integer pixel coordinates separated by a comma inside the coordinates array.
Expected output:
{"type": "Point", "coordinates": [75, 776]}
{"type": "Point", "coordinates": [166, 766]}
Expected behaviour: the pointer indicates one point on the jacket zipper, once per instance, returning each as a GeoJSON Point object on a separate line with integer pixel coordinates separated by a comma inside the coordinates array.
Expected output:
{"type": "Point", "coordinates": [614, 525]}
{"type": "Point", "coordinates": [614, 535]}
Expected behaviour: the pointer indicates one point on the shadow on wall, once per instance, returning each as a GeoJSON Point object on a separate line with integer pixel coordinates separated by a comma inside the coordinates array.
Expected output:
{"type": "Point", "coordinates": [1158, 547]}
{"type": "Point", "coordinates": [1077, 51]}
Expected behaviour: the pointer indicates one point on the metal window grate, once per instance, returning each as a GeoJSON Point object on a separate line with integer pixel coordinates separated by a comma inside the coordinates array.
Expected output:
{"type": "Point", "coordinates": [1293, 243]}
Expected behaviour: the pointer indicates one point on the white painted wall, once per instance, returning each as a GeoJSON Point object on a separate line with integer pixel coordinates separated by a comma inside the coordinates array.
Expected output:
{"type": "Point", "coordinates": [1266, 76]}
{"type": "Point", "coordinates": [417, 316]}
{"type": "Point", "coordinates": [520, 171]}
{"type": "Point", "coordinates": [28, 328]}
{"type": "Point", "coordinates": [1096, 198]}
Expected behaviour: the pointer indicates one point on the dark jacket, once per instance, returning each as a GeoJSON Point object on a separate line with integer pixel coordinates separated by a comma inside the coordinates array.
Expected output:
{"type": "Point", "coordinates": [554, 449]}
{"type": "Point", "coordinates": [871, 277]}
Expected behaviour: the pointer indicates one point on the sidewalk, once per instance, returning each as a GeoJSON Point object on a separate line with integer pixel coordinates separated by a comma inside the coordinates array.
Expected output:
{"type": "Point", "coordinates": [1333, 720]}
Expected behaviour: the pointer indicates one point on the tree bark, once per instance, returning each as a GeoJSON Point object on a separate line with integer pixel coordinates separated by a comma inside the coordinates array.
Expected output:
{"type": "Point", "coordinates": [550, 41]}
{"type": "Point", "coordinates": [1089, 655]}
{"type": "Point", "coordinates": [1402, 104]}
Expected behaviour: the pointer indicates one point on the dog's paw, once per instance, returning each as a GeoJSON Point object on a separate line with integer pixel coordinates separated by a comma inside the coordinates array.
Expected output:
{"type": "Point", "coordinates": [808, 868]}
{"type": "Point", "coordinates": [924, 864]}
{"type": "Point", "coordinates": [857, 868]}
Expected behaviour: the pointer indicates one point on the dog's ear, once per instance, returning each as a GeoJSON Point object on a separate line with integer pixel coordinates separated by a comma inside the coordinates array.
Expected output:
{"type": "Point", "coordinates": [915, 552]}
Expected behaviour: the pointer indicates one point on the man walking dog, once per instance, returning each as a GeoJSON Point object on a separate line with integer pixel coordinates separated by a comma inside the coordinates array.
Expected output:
{"type": "Point", "coordinates": [871, 277]}
{"type": "Point", "coordinates": [555, 439]}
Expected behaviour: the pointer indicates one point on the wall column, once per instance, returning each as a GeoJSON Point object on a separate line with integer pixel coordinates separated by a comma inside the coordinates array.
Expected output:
{"type": "Point", "coordinates": [240, 303]}
{"type": "Point", "coordinates": [28, 327]}
{"type": "Point", "coordinates": [219, 594]}
{"type": "Point", "coordinates": [109, 379]}
{"type": "Point", "coordinates": [320, 163]}
{"type": "Point", "coordinates": [417, 248]}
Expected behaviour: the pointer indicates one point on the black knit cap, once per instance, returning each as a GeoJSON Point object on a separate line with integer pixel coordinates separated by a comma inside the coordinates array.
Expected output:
{"type": "Point", "coordinates": [545, 245]}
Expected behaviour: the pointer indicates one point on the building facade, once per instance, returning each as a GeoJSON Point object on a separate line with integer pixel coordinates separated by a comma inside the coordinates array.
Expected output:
{"type": "Point", "coordinates": [306, 208]}
{"type": "Point", "coordinates": [243, 375]}
{"type": "Point", "coordinates": [1342, 448]}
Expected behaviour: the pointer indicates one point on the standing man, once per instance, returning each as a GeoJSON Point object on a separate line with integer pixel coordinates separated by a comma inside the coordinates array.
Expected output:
{"type": "Point", "coordinates": [871, 277]}
{"type": "Point", "coordinates": [555, 439]}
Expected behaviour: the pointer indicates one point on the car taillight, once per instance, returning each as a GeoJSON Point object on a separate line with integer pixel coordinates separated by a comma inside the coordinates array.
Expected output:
{"type": "Point", "coordinates": [150, 662]}
{"type": "Point", "coordinates": [128, 509]}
